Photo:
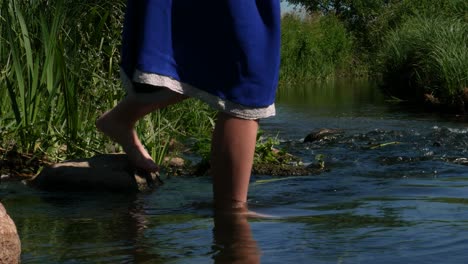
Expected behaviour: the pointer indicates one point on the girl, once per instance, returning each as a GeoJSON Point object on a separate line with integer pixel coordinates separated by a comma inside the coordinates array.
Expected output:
{"type": "Point", "coordinates": [223, 52]}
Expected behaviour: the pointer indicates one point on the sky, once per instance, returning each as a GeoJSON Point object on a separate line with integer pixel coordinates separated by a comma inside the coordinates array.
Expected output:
{"type": "Point", "coordinates": [286, 7]}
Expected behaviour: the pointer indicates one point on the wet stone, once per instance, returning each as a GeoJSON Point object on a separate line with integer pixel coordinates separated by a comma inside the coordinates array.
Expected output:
{"type": "Point", "coordinates": [174, 162]}
{"type": "Point", "coordinates": [323, 134]}
{"type": "Point", "coordinates": [460, 161]}
{"type": "Point", "coordinates": [284, 170]}
{"type": "Point", "coordinates": [107, 172]}
{"type": "Point", "coordinates": [10, 244]}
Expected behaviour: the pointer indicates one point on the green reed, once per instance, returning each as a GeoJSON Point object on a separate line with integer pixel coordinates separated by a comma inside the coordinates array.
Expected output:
{"type": "Point", "coordinates": [426, 55]}
{"type": "Point", "coordinates": [31, 76]}
{"type": "Point", "coordinates": [59, 72]}
{"type": "Point", "coordinates": [46, 72]}
{"type": "Point", "coordinates": [188, 119]}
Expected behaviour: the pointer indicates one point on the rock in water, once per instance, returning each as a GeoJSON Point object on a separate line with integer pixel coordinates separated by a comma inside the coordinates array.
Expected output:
{"type": "Point", "coordinates": [321, 134]}
{"type": "Point", "coordinates": [10, 245]}
{"type": "Point", "coordinates": [107, 172]}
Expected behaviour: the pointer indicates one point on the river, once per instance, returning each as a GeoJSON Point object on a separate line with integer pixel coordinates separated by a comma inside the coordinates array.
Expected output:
{"type": "Point", "coordinates": [396, 191]}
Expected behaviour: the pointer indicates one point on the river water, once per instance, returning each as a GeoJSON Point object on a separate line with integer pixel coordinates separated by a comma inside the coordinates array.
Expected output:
{"type": "Point", "coordinates": [396, 191]}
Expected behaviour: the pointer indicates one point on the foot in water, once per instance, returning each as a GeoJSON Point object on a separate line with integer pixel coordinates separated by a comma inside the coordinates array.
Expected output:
{"type": "Point", "coordinates": [125, 135]}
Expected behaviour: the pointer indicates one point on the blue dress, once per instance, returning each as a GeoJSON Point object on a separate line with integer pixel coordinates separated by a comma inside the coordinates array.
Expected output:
{"type": "Point", "coordinates": [222, 50]}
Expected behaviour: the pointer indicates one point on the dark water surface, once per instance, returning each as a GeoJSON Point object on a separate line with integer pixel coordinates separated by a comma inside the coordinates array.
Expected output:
{"type": "Point", "coordinates": [404, 202]}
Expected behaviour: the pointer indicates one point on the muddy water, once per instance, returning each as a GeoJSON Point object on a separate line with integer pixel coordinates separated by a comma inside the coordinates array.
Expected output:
{"type": "Point", "coordinates": [396, 192]}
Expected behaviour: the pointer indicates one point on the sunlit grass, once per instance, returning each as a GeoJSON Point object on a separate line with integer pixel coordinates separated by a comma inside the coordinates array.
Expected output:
{"type": "Point", "coordinates": [33, 71]}
{"type": "Point", "coordinates": [60, 72]}
{"type": "Point", "coordinates": [427, 55]}
{"type": "Point", "coordinates": [314, 47]}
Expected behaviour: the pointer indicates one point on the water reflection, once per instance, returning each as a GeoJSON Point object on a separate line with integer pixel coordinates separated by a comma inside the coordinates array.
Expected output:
{"type": "Point", "coordinates": [330, 97]}
{"type": "Point", "coordinates": [396, 203]}
{"type": "Point", "coordinates": [233, 240]}
{"type": "Point", "coordinates": [82, 227]}
{"type": "Point", "coordinates": [113, 228]}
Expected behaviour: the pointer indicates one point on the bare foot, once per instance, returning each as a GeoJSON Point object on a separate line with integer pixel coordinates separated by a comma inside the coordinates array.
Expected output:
{"type": "Point", "coordinates": [124, 134]}
{"type": "Point", "coordinates": [245, 213]}
{"type": "Point", "coordinates": [237, 208]}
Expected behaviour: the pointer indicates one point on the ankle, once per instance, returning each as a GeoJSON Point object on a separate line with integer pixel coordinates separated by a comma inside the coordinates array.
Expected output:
{"type": "Point", "coordinates": [230, 206]}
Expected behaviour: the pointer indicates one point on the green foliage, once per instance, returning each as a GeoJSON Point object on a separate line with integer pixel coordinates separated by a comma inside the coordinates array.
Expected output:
{"type": "Point", "coordinates": [397, 13]}
{"type": "Point", "coordinates": [358, 16]}
{"type": "Point", "coordinates": [426, 55]}
{"type": "Point", "coordinates": [266, 152]}
{"type": "Point", "coordinates": [196, 118]}
{"type": "Point", "coordinates": [314, 47]}
{"type": "Point", "coordinates": [369, 20]}
{"type": "Point", "coordinates": [323, 6]}
{"type": "Point", "coordinates": [48, 61]}
{"type": "Point", "coordinates": [59, 70]}
{"type": "Point", "coordinates": [417, 46]}
{"type": "Point", "coordinates": [35, 71]}
{"type": "Point", "coordinates": [202, 147]}
{"type": "Point", "coordinates": [188, 119]}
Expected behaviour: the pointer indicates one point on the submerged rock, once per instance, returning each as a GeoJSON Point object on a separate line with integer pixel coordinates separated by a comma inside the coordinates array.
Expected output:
{"type": "Point", "coordinates": [107, 172]}
{"type": "Point", "coordinates": [284, 170]}
{"type": "Point", "coordinates": [10, 244]}
{"type": "Point", "coordinates": [322, 134]}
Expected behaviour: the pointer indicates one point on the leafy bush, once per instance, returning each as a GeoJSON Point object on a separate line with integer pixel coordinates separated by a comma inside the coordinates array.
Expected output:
{"type": "Point", "coordinates": [313, 47]}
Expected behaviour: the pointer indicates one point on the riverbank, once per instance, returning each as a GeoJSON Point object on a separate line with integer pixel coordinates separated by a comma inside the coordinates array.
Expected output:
{"type": "Point", "coordinates": [416, 49]}
{"type": "Point", "coordinates": [425, 60]}
{"type": "Point", "coordinates": [60, 72]}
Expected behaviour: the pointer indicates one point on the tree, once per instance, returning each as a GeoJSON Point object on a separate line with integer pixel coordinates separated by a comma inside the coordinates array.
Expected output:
{"type": "Point", "coordinates": [359, 16]}
{"type": "Point", "coordinates": [368, 20]}
{"type": "Point", "coordinates": [342, 8]}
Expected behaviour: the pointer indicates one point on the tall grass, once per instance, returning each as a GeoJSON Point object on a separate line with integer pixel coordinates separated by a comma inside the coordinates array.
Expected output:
{"type": "Point", "coordinates": [426, 55]}
{"type": "Point", "coordinates": [33, 72]}
{"type": "Point", "coordinates": [188, 119]}
{"type": "Point", "coordinates": [45, 72]}
{"type": "Point", "coordinates": [313, 47]}
{"type": "Point", "coordinates": [59, 72]}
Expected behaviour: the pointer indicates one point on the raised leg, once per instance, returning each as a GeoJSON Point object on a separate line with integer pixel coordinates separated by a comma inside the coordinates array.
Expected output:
{"type": "Point", "coordinates": [119, 125]}
{"type": "Point", "coordinates": [232, 152]}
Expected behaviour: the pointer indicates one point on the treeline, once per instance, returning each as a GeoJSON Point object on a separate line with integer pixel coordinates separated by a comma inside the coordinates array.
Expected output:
{"type": "Point", "coordinates": [417, 48]}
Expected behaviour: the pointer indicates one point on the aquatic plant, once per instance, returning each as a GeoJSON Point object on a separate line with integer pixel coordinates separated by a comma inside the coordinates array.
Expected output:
{"type": "Point", "coordinates": [268, 151]}
{"type": "Point", "coordinates": [265, 151]}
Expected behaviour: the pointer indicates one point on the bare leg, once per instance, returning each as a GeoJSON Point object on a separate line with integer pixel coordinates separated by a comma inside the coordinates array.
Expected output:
{"type": "Point", "coordinates": [232, 152]}
{"type": "Point", "coordinates": [119, 125]}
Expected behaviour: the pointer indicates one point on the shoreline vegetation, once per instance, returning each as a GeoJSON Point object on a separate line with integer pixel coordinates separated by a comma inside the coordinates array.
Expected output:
{"type": "Point", "coordinates": [59, 71]}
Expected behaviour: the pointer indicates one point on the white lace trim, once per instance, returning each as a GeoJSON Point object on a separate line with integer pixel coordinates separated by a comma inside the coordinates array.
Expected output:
{"type": "Point", "coordinates": [229, 107]}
